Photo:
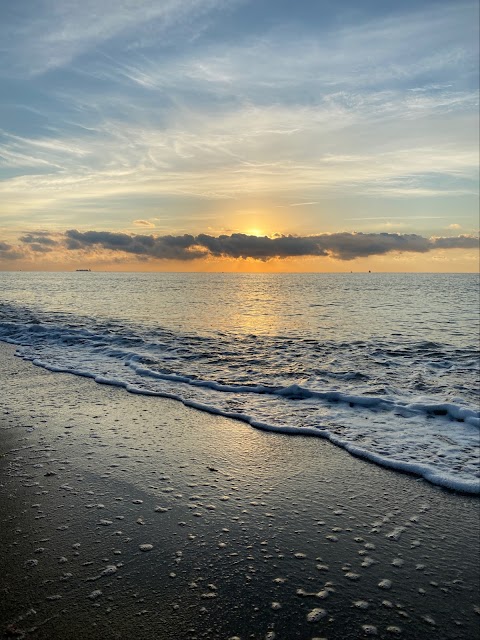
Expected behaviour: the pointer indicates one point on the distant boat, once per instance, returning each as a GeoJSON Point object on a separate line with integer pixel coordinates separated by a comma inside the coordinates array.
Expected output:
{"type": "Point", "coordinates": [82, 269]}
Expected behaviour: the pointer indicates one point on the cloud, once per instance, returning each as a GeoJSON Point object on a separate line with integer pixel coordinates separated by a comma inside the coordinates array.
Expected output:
{"type": "Point", "coordinates": [143, 223]}
{"type": "Point", "coordinates": [39, 238]}
{"type": "Point", "coordinates": [454, 226]}
{"type": "Point", "coordinates": [163, 247]}
{"type": "Point", "coordinates": [8, 252]}
{"type": "Point", "coordinates": [381, 104]}
{"type": "Point", "coordinates": [51, 34]}
{"type": "Point", "coordinates": [240, 245]}
{"type": "Point", "coordinates": [117, 247]}
{"type": "Point", "coordinates": [344, 110]}
{"type": "Point", "coordinates": [341, 246]}
{"type": "Point", "coordinates": [459, 242]}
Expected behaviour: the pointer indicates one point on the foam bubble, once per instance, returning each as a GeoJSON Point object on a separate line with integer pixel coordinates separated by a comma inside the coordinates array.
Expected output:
{"type": "Point", "coordinates": [367, 562]}
{"type": "Point", "coordinates": [385, 584]}
{"type": "Point", "coordinates": [109, 570]}
{"type": "Point", "coordinates": [352, 576]}
{"type": "Point", "coordinates": [394, 630]}
{"type": "Point", "coordinates": [316, 614]}
{"type": "Point", "coordinates": [31, 563]}
{"type": "Point", "coordinates": [369, 630]}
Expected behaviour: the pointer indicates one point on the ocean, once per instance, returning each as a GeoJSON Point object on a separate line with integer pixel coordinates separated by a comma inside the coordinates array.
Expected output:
{"type": "Point", "coordinates": [385, 366]}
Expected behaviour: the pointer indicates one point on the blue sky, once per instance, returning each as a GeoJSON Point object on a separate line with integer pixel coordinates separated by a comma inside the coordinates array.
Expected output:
{"type": "Point", "coordinates": [235, 116]}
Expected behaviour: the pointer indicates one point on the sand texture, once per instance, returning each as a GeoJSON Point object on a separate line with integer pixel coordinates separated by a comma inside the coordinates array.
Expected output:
{"type": "Point", "coordinates": [124, 516]}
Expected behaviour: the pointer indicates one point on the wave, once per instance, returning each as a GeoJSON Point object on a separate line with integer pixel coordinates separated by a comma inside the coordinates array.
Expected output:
{"type": "Point", "coordinates": [296, 392]}
{"type": "Point", "coordinates": [433, 437]}
{"type": "Point", "coordinates": [470, 486]}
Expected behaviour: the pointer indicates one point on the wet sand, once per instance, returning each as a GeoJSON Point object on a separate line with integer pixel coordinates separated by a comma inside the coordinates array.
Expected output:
{"type": "Point", "coordinates": [124, 516]}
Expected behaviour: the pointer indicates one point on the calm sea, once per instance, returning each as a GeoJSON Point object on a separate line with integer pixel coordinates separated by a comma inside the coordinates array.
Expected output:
{"type": "Point", "coordinates": [383, 365]}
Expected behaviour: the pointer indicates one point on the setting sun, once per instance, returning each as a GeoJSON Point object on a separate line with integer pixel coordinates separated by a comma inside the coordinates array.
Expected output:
{"type": "Point", "coordinates": [256, 232]}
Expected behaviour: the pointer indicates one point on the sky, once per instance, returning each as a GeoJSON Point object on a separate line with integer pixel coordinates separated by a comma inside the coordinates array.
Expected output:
{"type": "Point", "coordinates": [239, 135]}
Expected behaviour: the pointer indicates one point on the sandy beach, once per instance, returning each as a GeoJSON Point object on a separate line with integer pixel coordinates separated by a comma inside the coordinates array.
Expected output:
{"type": "Point", "coordinates": [129, 517]}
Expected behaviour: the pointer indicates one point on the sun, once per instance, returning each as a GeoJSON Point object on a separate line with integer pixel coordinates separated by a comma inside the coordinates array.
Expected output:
{"type": "Point", "coordinates": [255, 232]}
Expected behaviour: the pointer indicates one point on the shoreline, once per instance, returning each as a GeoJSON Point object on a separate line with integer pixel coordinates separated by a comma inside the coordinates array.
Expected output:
{"type": "Point", "coordinates": [258, 529]}
{"type": "Point", "coordinates": [418, 470]}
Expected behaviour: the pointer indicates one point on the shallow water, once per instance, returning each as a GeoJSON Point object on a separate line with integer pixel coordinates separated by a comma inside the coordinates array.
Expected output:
{"type": "Point", "coordinates": [384, 365]}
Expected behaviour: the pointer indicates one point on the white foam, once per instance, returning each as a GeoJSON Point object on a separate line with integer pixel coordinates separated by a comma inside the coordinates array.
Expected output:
{"type": "Point", "coordinates": [316, 614]}
{"type": "Point", "coordinates": [109, 570]}
{"type": "Point", "coordinates": [385, 584]}
{"type": "Point", "coordinates": [369, 630]}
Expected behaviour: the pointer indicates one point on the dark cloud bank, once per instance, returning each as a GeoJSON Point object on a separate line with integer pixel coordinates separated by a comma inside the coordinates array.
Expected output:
{"type": "Point", "coordinates": [342, 246]}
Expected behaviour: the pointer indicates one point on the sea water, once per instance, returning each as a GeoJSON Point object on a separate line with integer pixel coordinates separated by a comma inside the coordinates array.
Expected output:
{"type": "Point", "coordinates": [384, 365]}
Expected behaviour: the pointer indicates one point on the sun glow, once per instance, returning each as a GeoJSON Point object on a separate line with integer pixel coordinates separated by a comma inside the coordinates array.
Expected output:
{"type": "Point", "coordinates": [255, 232]}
